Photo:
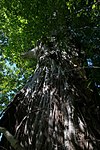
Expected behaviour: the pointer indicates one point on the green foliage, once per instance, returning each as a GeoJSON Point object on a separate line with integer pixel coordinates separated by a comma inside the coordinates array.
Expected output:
{"type": "Point", "coordinates": [24, 22]}
{"type": "Point", "coordinates": [27, 21]}
{"type": "Point", "coordinates": [12, 78]}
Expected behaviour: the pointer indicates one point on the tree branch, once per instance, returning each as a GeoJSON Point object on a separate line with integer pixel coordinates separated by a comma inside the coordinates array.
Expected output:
{"type": "Point", "coordinates": [14, 142]}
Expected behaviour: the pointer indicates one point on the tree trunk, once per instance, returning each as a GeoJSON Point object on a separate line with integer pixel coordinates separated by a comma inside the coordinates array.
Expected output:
{"type": "Point", "coordinates": [55, 110]}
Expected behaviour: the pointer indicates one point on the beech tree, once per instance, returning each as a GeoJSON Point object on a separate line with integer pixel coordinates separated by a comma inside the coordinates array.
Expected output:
{"type": "Point", "coordinates": [58, 108]}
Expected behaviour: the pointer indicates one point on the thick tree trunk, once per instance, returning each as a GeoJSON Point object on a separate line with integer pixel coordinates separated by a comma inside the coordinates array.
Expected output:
{"type": "Point", "coordinates": [55, 110]}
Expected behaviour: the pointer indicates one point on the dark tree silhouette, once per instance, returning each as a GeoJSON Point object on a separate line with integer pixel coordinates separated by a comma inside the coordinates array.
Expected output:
{"type": "Point", "coordinates": [55, 110]}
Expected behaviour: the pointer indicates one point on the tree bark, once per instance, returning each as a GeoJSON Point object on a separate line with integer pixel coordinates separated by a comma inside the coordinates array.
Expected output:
{"type": "Point", "coordinates": [55, 110]}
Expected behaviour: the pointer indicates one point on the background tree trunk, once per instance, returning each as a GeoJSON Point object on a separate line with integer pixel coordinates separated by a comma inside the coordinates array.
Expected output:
{"type": "Point", "coordinates": [55, 110]}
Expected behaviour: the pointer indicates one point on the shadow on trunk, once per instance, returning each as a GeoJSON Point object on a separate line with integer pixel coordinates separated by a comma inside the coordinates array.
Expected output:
{"type": "Point", "coordinates": [55, 110]}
